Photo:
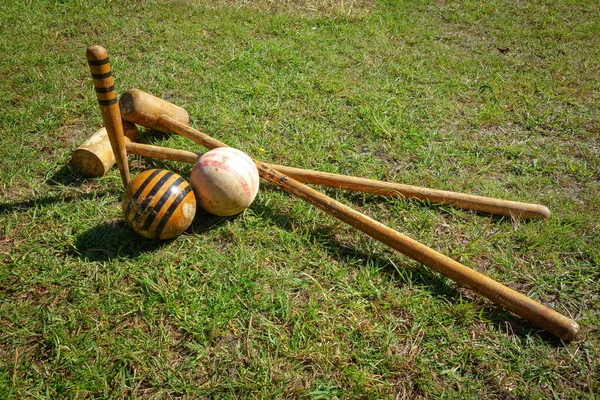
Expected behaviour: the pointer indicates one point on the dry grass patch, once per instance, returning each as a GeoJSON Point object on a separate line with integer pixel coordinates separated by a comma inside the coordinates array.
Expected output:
{"type": "Point", "coordinates": [313, 8]}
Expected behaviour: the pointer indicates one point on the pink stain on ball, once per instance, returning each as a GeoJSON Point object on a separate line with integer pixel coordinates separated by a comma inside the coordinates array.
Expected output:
{"type": "Point", "coordinates": [225, 181]}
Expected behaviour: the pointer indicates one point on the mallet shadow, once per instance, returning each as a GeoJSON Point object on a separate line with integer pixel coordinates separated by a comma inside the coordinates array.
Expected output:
{"type": "Point", "coordinates": [414, 274]}
{"type": "Point", "coordinates": [440, 287]}
{"type": "Point", "coordinates": [44, 201]}
{"type": "Point", "coordinates": [67, 175]}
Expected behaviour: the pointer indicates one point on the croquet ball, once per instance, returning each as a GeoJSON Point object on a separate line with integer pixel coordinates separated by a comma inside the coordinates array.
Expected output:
{"type": "Point", "coordinates": [159, 204]}
{"type": "Point", "coordinates": [225, 181]}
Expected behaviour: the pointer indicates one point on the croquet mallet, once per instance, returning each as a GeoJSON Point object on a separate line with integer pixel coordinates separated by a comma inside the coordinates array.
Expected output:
{"type": "Point", "coordinates": [106, 95]}
{"type": "Point", "coordinates": [145, 110]}
{"type": "Point", "coordinates": [531, 310]}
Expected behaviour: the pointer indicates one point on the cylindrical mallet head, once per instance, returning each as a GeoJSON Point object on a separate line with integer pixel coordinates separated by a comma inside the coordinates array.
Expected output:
{"type": "Point", "coordinates": [144, 109]}
{"type": "Point", "coordinates": [225, 181]}
{"type": "Point", "coordinates": [159, 204]}
{"type": "Point", "coordinates": [95, 156]}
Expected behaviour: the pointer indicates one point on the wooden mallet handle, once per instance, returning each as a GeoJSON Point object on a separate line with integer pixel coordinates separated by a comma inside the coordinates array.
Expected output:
{"type": "Point", "coordinates": [104, 85]}
{"type": "Point", "coordinates": [460, 200]}
{"type": "Point", "coordinates": [144, 109]}
{"type": "Point", "coordinates": [529, 309]}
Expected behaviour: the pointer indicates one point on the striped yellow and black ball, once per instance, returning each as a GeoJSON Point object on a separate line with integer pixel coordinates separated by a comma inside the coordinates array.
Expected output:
{"type": "Point", "coordinates": [159, 204]}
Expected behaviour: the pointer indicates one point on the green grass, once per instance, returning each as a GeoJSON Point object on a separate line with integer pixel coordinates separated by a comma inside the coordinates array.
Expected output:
{"type": "Point", "coordinates": [495, 98]}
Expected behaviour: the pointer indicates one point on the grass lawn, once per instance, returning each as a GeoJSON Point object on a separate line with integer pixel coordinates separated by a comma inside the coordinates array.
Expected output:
{"type": "Point", "coordinates": [496, 98]}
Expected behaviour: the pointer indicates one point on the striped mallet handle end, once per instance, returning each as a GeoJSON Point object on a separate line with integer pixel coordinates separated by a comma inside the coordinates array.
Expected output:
{"type": "Point", "coordinates": [104, 85]}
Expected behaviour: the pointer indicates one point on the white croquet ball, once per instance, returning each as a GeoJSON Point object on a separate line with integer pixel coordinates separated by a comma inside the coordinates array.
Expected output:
{"type": "Point", "coordinates": [225, 181]}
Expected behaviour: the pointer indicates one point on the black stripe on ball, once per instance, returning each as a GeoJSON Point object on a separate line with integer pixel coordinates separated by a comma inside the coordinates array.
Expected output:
{"type": "Point", "coordinates": [155, 209]}
{"type": "Point", "coordinates": [139, 191]}
{"type": "Point", "coordinates": [142, 210]}
{"type": "Point", "coordinates": [172, 209]}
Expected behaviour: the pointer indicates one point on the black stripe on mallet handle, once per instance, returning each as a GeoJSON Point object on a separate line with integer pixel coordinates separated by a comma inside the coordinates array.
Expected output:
{"type": "Point", "coordinates": [104, 84]}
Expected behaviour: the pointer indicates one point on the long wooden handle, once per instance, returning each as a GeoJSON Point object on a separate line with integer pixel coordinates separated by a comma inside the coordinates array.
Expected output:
{"type": "Point", "coordinates": [144, 109]}
{"type": "Point", "coordinates": [529, 309]}
{"type": "Point", "coordinates": [104, 84]}
{"type": "Point", "coordinates": [460, 200]}
{"type": "Point", "coordinates": [435, 196]}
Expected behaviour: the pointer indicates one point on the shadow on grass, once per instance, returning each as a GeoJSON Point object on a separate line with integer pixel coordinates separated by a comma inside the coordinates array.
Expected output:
{"type": "Point", "coordinates": [112, 240]}
{"type": "Point", "coordinates": [439, 286]}
{"type": "Point", "coordinates": [67, 175]}
{"type": "Point", "coordinates": [205, 222]}
{"type": "Point", "coordinates": [418, 275]}
{"type": "Point", "coordinates": [25, 205]}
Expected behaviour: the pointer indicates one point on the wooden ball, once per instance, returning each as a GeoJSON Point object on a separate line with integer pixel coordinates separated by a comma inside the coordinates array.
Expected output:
{"type": "Point", "coordinates": [159, 204]}
{"type": "Point", "coordinates": [225, 181]}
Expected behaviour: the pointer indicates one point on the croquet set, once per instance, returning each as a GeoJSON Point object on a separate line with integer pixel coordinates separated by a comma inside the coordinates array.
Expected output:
{"type": "Point", "coordinates": [161, 204]}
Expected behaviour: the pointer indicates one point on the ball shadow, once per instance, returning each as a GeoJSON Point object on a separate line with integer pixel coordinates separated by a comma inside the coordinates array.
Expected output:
{"type": "Point", "coordinates": [205, 222]}
{"type": "Point", "coordinates": [111, 240]}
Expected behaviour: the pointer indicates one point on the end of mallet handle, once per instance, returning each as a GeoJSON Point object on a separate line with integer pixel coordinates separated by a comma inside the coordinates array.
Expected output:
{"type": "Point", "coordinates": [544, 213]}
{"type": "Point", "coordinates": [572, 332]}
{"type": "Point", "coordinates": [96, 53]}
{"type": "Point", "coordinates": [553, 321]}
{"type": "Point", "coordinates": [106, 95]}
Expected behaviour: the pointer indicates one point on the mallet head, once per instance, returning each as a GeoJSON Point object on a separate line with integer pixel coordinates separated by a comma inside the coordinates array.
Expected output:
{"type": "Point", "coordinates": [144, 109]}
{"type": "Point", "coordinates": [95, 156]}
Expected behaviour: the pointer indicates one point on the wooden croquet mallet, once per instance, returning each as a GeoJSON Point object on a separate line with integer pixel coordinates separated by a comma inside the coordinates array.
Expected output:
{"type": "Point", "coordinates": [531, 310]}
{"type": "Point", "coordinates": [97, 57]}
{"type": "Point", "coordinates": [144, 109]}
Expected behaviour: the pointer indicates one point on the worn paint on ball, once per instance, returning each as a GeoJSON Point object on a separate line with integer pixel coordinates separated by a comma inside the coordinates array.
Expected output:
{"type": "Point", "coordinates": [225, 181]}
{"type": "Point", "coordinates": [159, 204]}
